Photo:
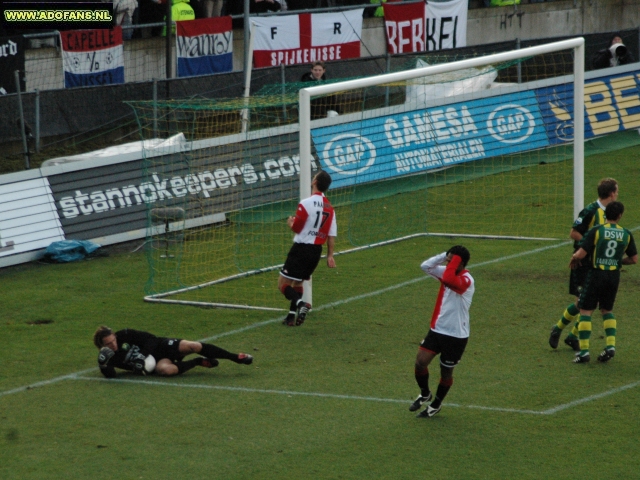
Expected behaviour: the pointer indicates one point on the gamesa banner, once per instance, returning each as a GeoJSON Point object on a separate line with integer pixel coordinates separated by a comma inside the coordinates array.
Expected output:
{"type": "Point", "coordinates": [402, 143]}
{"type": "Point", "coordinates": [306, 38]}
{"type": "Point", "coordinates": [204, 46]}
{"type": "Point", "coordinates": [92, 57]}
{"type": "Point", "coordinates": [11, 59]}
{"type": "Point", "coordinates": [420, 27]}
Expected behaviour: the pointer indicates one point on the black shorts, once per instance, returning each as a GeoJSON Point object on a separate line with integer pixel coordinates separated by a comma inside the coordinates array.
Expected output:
{"type": "Point", "coordinates": [167, 348]}
{"type": "Point", "coordinates": [578, 277]}
{"type": "Point", "coordinates": [600, 289]}
{"type": "Point", "coordinates": [302, 260]}
{"type": "Point", "coordinates": [449, 348]}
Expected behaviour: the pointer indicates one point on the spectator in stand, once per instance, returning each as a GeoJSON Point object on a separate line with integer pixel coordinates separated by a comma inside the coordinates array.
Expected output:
{"type": "Point", "coordinates": [150, 11]}
{"type": "Point", "coordinates": [316, 74]}
{"type": "Point", "coordinates": [612, 56]}
{"type": "Point", "coordinates": [300, 4]}
{"type": "Point", "coordinates": [321, 106]}
{"type": "Point", "coordinates": [264, 6]}
{"type": "Point", "coordinates": [379, 12]}
{"type": "Point", "coordinates": [181, 10]}
{"type": "Point", "coordinates": [213, 8]}
{"type": "Point", "coordinates": [125, 13]}
{"type": "Point", "coordinates": [208, 8]}
{"type": "Point", "coordinates": [236, 7]}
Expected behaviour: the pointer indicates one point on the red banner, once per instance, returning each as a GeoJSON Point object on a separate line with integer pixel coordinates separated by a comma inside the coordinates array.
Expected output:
{"type": "Point", "coordinates": [305, 38]}
{"type": "Point", "coordinates": [405, 26]}
{"type": "Point", "coordinates": [425, 27]}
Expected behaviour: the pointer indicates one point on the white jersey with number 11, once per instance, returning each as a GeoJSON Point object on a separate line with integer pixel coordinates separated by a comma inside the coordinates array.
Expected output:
{"type": "Point", "coordinates": [315, 220]}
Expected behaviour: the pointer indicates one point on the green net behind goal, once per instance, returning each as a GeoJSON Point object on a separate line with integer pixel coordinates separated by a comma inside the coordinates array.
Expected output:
{"type": "Point", "coordinates": [463, 153]}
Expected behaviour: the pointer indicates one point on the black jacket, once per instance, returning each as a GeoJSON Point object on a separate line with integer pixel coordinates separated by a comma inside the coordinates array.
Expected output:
{"type": "Point", "coordinates": [308, 77]}
{"type": "Point", "coordinates": [602, 59]}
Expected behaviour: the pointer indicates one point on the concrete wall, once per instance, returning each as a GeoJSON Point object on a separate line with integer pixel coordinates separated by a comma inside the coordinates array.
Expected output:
{"type": "Point", "coordinates": [553, 19]}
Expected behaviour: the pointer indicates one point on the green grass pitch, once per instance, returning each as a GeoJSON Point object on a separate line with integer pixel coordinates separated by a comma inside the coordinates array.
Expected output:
{"type": "Point", "coordinates": [328, 400]}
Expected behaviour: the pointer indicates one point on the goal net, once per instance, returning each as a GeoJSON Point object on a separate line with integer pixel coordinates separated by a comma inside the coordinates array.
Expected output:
{"type": "Point", "coordinates": [479, 147]}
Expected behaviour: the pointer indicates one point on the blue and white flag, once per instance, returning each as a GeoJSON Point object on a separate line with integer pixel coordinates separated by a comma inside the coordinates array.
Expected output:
{"type": "Point", "coordinates": [204, 46]}
{"type": "Point", "coordinates": [92, 57]}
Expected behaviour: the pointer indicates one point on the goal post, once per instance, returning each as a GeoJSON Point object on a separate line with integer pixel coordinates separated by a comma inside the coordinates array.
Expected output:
{"type": "Point", "coordinates": [576, 44]}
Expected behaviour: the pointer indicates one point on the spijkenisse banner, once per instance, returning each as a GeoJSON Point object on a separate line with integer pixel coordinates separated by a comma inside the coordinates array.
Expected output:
{"type": "Point", "coordinates": [306, 38]}
{"type": "Point", "coordinates": [204, 46]}
{"type": "Point", "coordinates": [92, 57]}
{"type": "Point", "coordinates": [420, 27]}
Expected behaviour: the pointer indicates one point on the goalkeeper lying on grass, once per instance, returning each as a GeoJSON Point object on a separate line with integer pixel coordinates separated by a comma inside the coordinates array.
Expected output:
{"type": "Point", "coordinates": [144, 353]}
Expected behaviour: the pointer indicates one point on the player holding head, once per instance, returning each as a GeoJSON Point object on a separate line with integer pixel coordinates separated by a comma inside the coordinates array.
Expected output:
{"type": "Point", "coordinates": [590, 216]}
{"type": "Point", "coordinates": [606, 245]}
{"type": "Point", "coordinates": [449, 330]}
{"type": "Point", "coordinates": [314, 224]}
{"type": "Point", "coordinates": [144, 353]}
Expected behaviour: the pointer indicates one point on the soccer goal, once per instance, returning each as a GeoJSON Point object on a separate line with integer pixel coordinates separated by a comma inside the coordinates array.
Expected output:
{"type": "Point", "coordinates": [454, 117]}
{"type": "Point", "coordinates": [483, 147]}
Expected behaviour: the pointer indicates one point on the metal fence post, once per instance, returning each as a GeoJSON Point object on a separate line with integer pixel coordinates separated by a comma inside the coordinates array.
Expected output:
{"type": "Point", "coordinates": [519, 66]}
{"type": "Point", "coordinates": [247, 39]}
{"type": "Point", "coordinates": [37, 134]}
{"type": "Point", "coordinates": [387, 70]}
{"type": "Point", "coordinates": [284, 90]}
{"type": "Point", "coordinates": [22, 125]}
{"type": "Point", "coordinates": [155, 108]}
{"type": "Point", "coordinates": [167, 26]}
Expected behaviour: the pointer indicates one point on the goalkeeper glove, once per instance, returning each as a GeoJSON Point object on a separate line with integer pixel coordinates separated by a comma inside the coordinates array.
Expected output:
{"type": "Point", "coordinates": [103, 362]}
{"type": "Point", "coordinates": [104, 356]}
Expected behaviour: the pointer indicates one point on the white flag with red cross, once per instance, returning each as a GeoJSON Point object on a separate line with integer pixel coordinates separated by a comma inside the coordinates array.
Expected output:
{"type": "Point", "coordinates": [306, 38]}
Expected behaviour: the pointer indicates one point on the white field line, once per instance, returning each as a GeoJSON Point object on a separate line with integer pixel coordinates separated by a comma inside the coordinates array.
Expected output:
{"type": "Point", "coordinates": [590, 398]}
{"type": "Point", "coordinates": [290, 393]}
{"type": "Point", "coordinates": [77, 375]}
{"type": "Point", "coordinates": [47, 382]}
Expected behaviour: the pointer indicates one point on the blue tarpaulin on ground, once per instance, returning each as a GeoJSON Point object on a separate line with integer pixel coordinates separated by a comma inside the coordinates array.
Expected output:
{"type": "Point", "coordinates": [69, 250]}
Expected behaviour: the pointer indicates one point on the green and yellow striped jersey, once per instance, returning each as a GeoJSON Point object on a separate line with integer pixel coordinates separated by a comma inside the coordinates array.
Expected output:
{"type": "Point", "coordinates": [607, 245]}
{"type": "Point", "coordinates": [589, 217]}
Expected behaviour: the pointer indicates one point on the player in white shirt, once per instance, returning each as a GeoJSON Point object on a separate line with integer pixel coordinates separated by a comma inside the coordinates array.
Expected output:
{"type": "Point", "coordinates": [314, 225]}
{"type": "Point", "coordinates": [449, 330]}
